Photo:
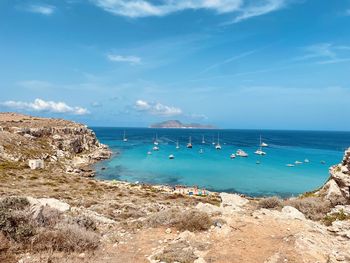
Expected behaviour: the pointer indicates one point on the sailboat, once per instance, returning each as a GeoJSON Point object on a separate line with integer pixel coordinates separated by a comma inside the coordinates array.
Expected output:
{"type": "Point", "coordinates": [189, 144]}
{"type": "Point", "coordinates": [156, 140]}
{"type": "Point", "coordinates": [124, 137]}
{"type": "Point", "coordinates": [232, 156]}
{"type": "Point", "coordinates": [171, 156]}
{"type": "Point", "coordinates": [218, 146]}
{"type": "Point", "coordinates": [241, 153]}
{"type": "Point", "coordinates": [260, 151]}
{"type": "Point", "coordinates": [203, 141]}
{"type": "Point", "coordinates": [177, 144]}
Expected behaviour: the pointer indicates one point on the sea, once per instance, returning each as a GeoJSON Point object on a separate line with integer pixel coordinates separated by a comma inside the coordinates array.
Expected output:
{"type": "Point", "coordinates": [214, 169]}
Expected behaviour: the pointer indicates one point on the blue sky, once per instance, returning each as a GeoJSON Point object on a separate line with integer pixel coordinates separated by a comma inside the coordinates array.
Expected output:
{"type": "Point", "coordinates": [269, 64]}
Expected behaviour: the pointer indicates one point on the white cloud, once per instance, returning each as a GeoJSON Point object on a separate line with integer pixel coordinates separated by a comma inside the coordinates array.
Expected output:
{"type": "Point", "coordinates": [243, 9]}
{"type": "Point", "coordinates": [264, 7]}
{"type": "Point", "coordinates": [133, 60]}
{"type": "Point", "coordinates": [42, 106]}
{"type": "Point", "coordinates": [326, 53]}
{"type": "Point", "coordinates": [46, 10]}
{"type": "Point", "coordinates": [156, 108]}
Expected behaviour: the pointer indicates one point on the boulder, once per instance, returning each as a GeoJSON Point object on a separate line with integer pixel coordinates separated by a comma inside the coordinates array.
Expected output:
{"type": "Point", "coordinates": [232, 202]}
{"type": "Point", "coordinates": [51, 202]}
{"type": "Point", "coordinates": [209, 208]}
{"type": "Point", "coordinates": [292, 213]}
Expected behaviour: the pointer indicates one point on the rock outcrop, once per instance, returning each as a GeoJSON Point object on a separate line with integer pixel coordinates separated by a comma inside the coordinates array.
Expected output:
{"type": "Point", "coordinates": [52, 140]}
{"type": "Point", "coordinates": [337, 189]}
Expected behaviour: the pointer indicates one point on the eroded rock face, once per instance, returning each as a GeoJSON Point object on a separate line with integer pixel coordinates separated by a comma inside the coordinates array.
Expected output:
{"type": "Point", "coordinates": [72, 144]}
{"type": "Point", "coordinates": [337, 189]}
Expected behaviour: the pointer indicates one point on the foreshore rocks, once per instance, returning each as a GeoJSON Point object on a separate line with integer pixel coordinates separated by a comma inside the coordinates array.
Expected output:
{"type": "Point", "coordinates": [337, 189]}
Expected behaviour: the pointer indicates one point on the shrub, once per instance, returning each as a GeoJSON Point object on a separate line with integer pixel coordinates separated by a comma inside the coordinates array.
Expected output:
{"type": "Point", "coordinates": [341, 216]}
{"type": "Point", "coordinates": [16, 225]}
{"type": "Point", "coordinates": [14, 203]}
{"type": "Point", "coordinates": [85, 222]}
{"type": "Point", "coordinates": [66, 238]}
{"type": "Point", "coordinates": [177, 252]}
{"type": "Point", "coordinates": [313, 208]}
{"type": "Point", "coordinates": [47, 216]}
{"type": "Point", "coordinates": [270, 202]}
{"type": "Point", "coordinates": [192, 220]}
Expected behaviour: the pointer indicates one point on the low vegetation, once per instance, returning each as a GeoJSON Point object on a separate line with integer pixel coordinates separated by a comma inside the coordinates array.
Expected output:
{"type": "Point", "coordinates": [314, 208]}
{"type": "Point", "coordinates": [340, 216]}
{"type": "Point", "coordinates": [177, 252]}
{"type": "Point", "coordinates": [270, 203]}
{"type": "Point", "coordinates": [192, 220]}
{"type": "Point", "coordinates": [43, 229]}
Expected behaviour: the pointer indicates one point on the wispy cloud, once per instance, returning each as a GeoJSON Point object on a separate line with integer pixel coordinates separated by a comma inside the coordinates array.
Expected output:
{"type": "Point", "coordinates": [231, 59]}
{"type": "Point", "coordinates": [242, 9]}
{"type": "Point", "coordinates": [326, 53]}
{"type": "Point", "coordinates": [132, 60]}
{"type": "Point", "coordinates": [46, 10]}
{"type": "Point", "coordinates": [156, 108]}
{"type": "Point", "coordinates": [260, 8]}
{"type": "Point", "coordinates": [45, 106]}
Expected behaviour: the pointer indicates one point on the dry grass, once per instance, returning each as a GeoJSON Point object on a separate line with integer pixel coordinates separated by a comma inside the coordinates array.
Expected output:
{"type": "Point", "coordinates": [65, 238]}
{"type": "Point", "coordinates": [270, 203]}
{"type": "Point", "coordinates": [177, 252]}
{"type": "Point", "coordinates": [340, 216]}
{"type": "Point", "coordinates": [192, 220]}
{"type": "Point", "coordinates": [313, 208]}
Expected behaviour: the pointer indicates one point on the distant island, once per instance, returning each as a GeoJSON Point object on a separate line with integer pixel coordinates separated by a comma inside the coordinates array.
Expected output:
{"type": "Point", "coordinates": [179, 125]}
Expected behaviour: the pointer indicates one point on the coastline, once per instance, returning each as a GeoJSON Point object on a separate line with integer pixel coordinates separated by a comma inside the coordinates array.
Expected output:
{"type": "Point", "coordinates": [117, 220]}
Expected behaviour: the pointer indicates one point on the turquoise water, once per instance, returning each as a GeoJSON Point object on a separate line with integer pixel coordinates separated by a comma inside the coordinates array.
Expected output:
{"type": "Point", "coordinates": [214, 169]}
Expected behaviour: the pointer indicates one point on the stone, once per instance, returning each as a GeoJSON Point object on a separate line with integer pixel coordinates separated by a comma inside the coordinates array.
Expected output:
{"type": "Point", "coordinates": [292, 213]}
{"type": "Point", "coordinates": [231, 203]}
{"type": "Point", "coordinates": [36, 164]}
{"type": "Point", "coordinates": [208, 208]}
{"type": "Point", "coordinates": [51, 202]}
{"type": "Point", "coordinates": [168, 231]}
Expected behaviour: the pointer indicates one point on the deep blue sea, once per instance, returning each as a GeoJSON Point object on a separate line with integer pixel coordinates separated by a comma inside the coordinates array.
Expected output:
{"type": "Point", "coordinates": [213, 169]}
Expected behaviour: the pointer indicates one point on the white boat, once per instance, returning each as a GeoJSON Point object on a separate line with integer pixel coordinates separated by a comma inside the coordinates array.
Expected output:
{"type": "Point", "coordinates": [177, 144]}
{"type": "Point", "coordinates": [260, 151]}
{"type": "Point", "coordinates": [189, 144]}
{"type": "Point", "coordinates": [149, 153]}
{"type": "Point", "coordinates": [298, 162]}
{"type": "Point", "coordinates": [306, 161]}
{"type": "Point", "coordinates": [124, 137]}
{"type": "Point", "coordinates": [290, 165]}
{"type": "Point", "coordinates": [241, 153]}
{"type": "Point", "coordinates": [203, 141]}
{"type": "Point", "coordinates": [155, 148]}
{"type": "Point", "coordinates": [233, 156]}
{"type": "Point", "coordinates": [156, 140]}
{"type": "Point", "coordinates": [218, 146]}
{"type": "Point", "coordinates": [171, 156]}
{"type": "Point", "coordinates": [264, 144]}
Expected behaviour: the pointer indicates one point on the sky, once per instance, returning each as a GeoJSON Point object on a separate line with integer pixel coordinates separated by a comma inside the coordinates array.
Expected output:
{"type": "Point", "coordinates": [240, 64]}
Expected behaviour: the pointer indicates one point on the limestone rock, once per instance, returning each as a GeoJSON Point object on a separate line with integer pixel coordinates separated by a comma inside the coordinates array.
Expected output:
{"type": "Point", "coordinates": [232, 202]}
{"type": "Point", "coordinates": [51, 202]}
{"type": "Point", "coordinates": [209, 208]}
{"type": "Point", "coordinates": [292, 213]}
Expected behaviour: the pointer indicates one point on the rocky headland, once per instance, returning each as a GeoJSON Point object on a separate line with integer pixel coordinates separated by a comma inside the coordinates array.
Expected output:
{"type": "Point", "coordinates": [57, 214]}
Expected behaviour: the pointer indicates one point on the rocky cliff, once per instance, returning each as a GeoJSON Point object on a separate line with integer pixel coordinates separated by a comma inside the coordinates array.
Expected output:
{"type": "Point", "coordinates": [71, 144]}
{"type": "Point", "coordinates": [337, 189]}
